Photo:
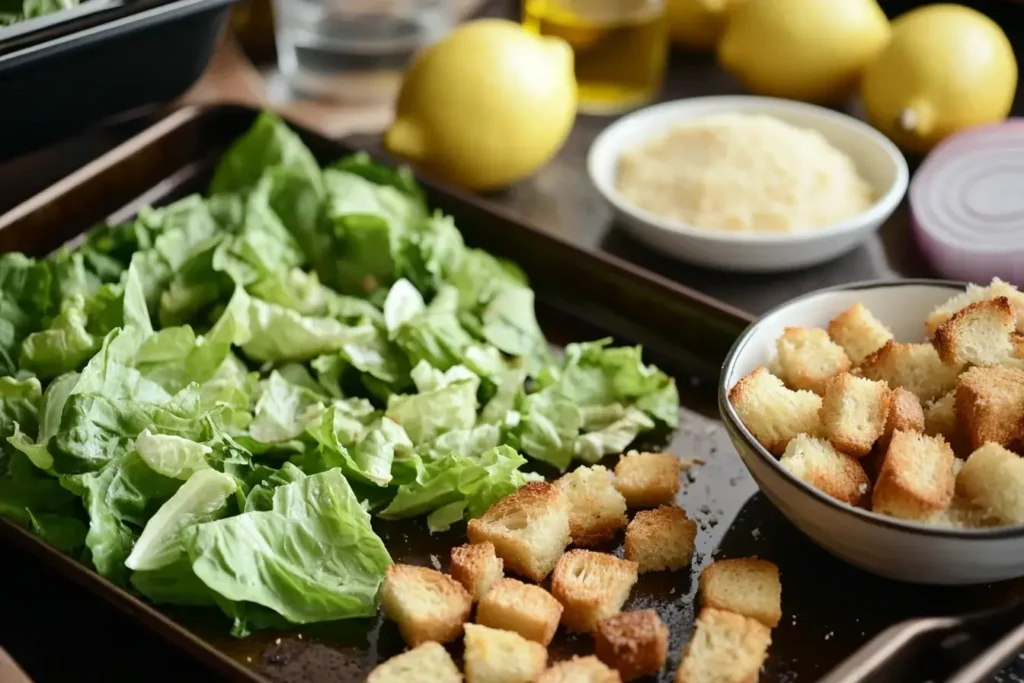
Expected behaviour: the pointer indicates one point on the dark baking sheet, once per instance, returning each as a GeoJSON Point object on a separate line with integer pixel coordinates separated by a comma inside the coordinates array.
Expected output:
{"type": "Point", "coordinates": [582, 295]}
{"type": "Point", "coordinates": [830, 609]}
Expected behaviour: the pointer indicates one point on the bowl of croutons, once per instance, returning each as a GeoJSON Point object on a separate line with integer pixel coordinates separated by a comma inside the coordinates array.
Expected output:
{"type": "Point", "coordinates": [886, 421]}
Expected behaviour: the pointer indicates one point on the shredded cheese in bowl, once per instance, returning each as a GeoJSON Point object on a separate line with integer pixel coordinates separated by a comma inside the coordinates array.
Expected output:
{"type": "Point", "coordinates": [744, 173]}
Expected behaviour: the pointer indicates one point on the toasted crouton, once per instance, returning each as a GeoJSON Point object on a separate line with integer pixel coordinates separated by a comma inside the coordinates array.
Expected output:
{"type": "Point", "coordinates": [818, 463]}
{"type": "Point", "coordinates": [915, 367]}
{"type": "Point", "coordinates": [426, 663]}
{"type": "Point", "coordinates": [853, 413]}
{"type": "Point", "coordinates": [974, 294]}
{"type": "Point", "coordinates": [981, 334]}
{"type": "Point", "coordinates": [476, 567]}
{"type": "Point", "coordinates": [648, 479]}
{"type": "Point", "coordinates": [633, 643]}
{"type": "Point", "coordinates": [916, 478]}
{"type": "Point", "coordinates": [660, 539]}
{"type": "Point", "coordinates": [988, 405]}
{"type": "Point", "coordinates": [529, 529]}
{"type": "Point", "coordinates": [859, 332]}
{"type": "Point", "coordinates": [808, 359]}
{"type": "Point", "coordinates": [940, 420]}
{"type": "Point", "coordinates": [992, 479]}
{"type": "Point", "coordinates": [596, 508]}
{"type": "Point", "coordinates": [591, 586]}
{"type": "Point", "coordinates": [961, 514]}
{"type": "Point", "coordinates": [746, 586]}
{"type": "Point", "coordinates": [773, 413]}
{"type": "Point", "coordinates": [496, 656]}
{"type": "Point", "coordinates": [725, 648]}
{"type": "Point", "coordinates": [580, 670]}
{"type": "Point", "coordinates": [528, 610]}
{"type": "Point", "coordinates": [905, 414]}
{"type": "Point", "coordinates": [426, 604]}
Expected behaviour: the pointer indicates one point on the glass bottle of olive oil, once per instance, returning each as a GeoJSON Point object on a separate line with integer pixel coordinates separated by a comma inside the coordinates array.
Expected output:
{"type": "Point", "coordinates": [620, 47]}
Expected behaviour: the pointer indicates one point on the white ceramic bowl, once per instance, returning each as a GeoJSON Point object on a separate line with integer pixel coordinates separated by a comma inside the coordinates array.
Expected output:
{"type": "Point", "coordinates": [905, 551]}
{"type": "Point", "coordinates": [876, 158]}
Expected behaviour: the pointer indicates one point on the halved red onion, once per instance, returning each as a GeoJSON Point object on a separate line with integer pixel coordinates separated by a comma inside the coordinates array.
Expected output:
{"type": "Point", "coordinates": [967, 204]}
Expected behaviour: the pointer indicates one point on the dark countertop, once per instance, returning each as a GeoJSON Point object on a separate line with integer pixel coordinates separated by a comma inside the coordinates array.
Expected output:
{"type": "Point", "coordinates": [57, 633]}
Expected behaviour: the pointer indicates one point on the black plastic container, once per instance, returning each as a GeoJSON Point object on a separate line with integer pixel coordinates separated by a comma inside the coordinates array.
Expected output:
{"type": "Point", "coordinates": [65, 77]}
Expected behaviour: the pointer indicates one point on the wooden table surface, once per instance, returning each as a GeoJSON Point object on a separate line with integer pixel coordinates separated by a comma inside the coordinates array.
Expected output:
{"type": "Point", "coordinates": [57, 633]}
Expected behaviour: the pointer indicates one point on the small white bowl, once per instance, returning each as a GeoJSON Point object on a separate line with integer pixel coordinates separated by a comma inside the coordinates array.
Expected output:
{"type": "Point", "coordinates": [905, 551]}
{"type": "Point", "coordinates": [877, 159]}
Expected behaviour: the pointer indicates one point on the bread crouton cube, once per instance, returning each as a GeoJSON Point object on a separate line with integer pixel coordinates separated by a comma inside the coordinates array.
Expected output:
{"type": "Point", "coordinates": [724, 648]}
{"type": "Point", "coordinates": [426, 663]}
{"type": "Point", "coordinates": [915, 367]}
{"type": "Point", "coordinates": [992, 480]}
{"type": "Point", "coordinates": [961, 514]}
{"type": "Point", "coordinates": [974, 294]}
{"type": "Point", "coordinates": [591, 586]}
{"type": "Point", "coordinates": [529, 529]}
{"type": "Point", "coordinates": [496, 656]}
{"type": "Point", "coordinates": [648, 479]}
{"type": "Point", "coordinates": [905, 414]}
{"type": "Point", "coordinates": [633, 643]}
{"type": "Point", "coordinates": [981, 334]}
{"type": "Point", "coordinates": [746, 586]}
{"type": "Point", "coordinates": [426, 604]}
{"type": "Point", "coordinates": [988, 405]}
{"type": "Point", "coordinates": [853, 413]}
{"type": "Point", "coordinates": [476, 567]}
{"type": "Point", "coordinates": [660, 539]}
{"type": "Point", "coordinates": [940, 416]}
{"type": "Point", "coordinates": [528, 610]}
{"type": "Point", "coordinates": [773, 413]}
{"type": "Point", "coordinates": [596, 508]}
{"type": "Point", "coordinates": [580, 670]}
{"type": "Point", "coordinates": [818, 463]}
{"type": "Point", "coordinates": [808, 358]}
{"type": "Point", "coordinates": [859, 332]}
{"type": "Point", "coordinates": [916, 478]}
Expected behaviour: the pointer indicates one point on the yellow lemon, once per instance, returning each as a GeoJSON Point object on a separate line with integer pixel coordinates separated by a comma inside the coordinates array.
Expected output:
{"type": "Point", "coordinates": [487, 106]}
{"type": "Point", "coordinates": [947, 68]}
{"type": "Point", "coordinates": [697, 24]}
{"type": "Point", "coordinates": [811, 50]}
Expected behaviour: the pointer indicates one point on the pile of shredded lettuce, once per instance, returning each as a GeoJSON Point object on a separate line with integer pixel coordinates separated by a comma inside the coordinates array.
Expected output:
{"type": "Point", "coordinates": [208, 403]}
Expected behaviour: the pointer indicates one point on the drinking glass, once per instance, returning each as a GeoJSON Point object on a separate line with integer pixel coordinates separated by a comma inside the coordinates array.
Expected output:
{"type": "Point", "coordinates": [354, 50]}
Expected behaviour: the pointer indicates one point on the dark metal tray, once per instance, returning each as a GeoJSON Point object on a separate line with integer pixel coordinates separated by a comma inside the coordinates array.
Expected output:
{"type": "Point", "coordinates": [581, 295]}
{"type": "Point", "coordinates": [61, 73]}
{"type": "Point", "coordinates": [830, 609]}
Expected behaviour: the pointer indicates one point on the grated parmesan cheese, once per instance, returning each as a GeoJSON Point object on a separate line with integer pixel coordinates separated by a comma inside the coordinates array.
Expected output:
{"type": "Point", "coordinates": [744, 173]}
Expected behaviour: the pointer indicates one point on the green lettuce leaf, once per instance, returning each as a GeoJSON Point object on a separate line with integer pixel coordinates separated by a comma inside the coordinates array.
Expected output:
{"type": "Point", "coordinates": [284, 410]}
{"type": "Point", "coordinates": [172, 456]}
{"type": "Point", "coordinates": [442, 405]}
{"type": "Point", "coordinates": [202, 498]}
{"type": "Point", "coordinates": [26, 299]}
{"type": "Point", "coordinates": [357, 438]}
{"type": "Point", "coordinates": [456, 485]}
{"type": "Point", "coordinates": [312, 557]}
{"type": "Point", "coordinates": [269, 143]}
{"type": "Point", "coordinates": [119, 499]}
{"type": "Point", "coordinates": [434, 335]}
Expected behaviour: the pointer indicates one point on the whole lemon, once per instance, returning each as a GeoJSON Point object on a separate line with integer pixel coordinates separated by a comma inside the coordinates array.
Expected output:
{"type": "Point", "coordinates": [811, 50]}
{"type": "Point", "coordinates": [947, 68]}
{"type": "Point", "coordinates": [697, 24]}
{"type": "Point", "coordinates": [486, 106]}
